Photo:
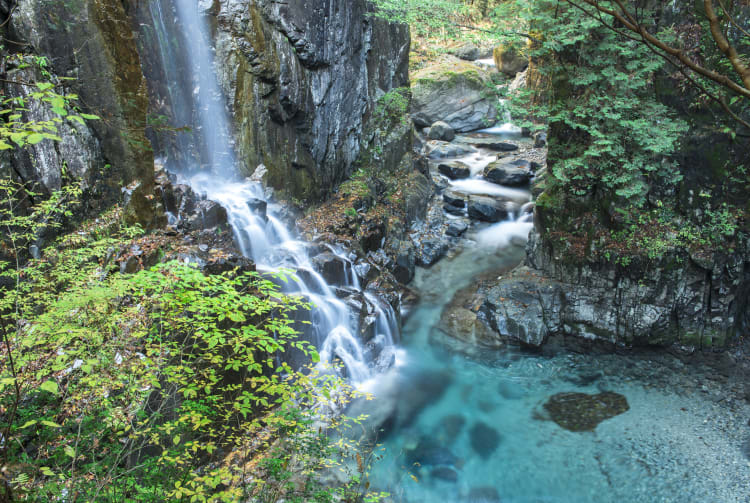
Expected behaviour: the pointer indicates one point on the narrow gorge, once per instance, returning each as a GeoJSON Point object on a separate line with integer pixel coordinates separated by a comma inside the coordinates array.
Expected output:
{"type": "Point", "coordinates": [341, 250]}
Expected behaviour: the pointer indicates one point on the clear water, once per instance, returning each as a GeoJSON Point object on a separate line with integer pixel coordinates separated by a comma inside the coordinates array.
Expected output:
{"type": "Point", "coordinates": [679, 442]}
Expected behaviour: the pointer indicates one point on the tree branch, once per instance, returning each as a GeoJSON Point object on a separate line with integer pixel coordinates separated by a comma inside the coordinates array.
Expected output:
{"type": "Point", "coordinates": [626, 19]}
{"type": "Point", "coordinates": [723, 44]}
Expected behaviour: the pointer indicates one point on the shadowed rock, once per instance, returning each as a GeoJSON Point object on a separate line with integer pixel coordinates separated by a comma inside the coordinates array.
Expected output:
{"type": "Point", "coordinates": [484, 439]}
{"type": "Point", "coordinates": [582, 412]}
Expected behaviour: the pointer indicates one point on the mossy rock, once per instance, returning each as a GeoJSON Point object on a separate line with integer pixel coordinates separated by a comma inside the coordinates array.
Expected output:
{"type": "Point", "coordinates": [458, 93]}
{"type": "Point", "coordinates": [509, 60]}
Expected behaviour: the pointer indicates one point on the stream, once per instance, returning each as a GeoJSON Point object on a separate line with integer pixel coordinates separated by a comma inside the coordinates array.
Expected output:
{"type": "Point", "coordinates": [455, 422]}
{"type": "Point", "coordinates": [461, 423]}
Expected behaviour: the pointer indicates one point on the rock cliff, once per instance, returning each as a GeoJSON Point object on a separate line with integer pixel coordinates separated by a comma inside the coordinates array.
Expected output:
{"type": "Point", "coordinates": [87, 49]}
{"type": "Point", "coordinates": [302, 80]}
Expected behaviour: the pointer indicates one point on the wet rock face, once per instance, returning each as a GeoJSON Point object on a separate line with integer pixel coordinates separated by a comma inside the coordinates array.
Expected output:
{"type": "Point", "coordinates": [488, 209]}
{"type": "Point", "coordinates": [670, 303]}
{"type": "Point", "coordinates": [305, 78]}
{"type": "Point", "coordinates": [582, 412]}
{"type": "Point", "coordinates": [92, 42]}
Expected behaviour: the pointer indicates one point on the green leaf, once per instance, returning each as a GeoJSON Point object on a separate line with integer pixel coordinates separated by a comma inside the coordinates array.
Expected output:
{"type": "Point", "coordinates": [34, 138]}
{"type": "Point", "coordinates": [51, 424]}
{"type": "Point", "coordinates": [50, 386]}
{"type": "Point", "coordinates": [90, 117]}
{"type": "Point", "coordinates": [69, 451]}
{"type": "Point", "coordinates": [31, 422]}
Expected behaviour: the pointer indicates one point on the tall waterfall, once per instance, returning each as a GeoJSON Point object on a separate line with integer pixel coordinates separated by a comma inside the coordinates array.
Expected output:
{"type": "Point", "coordinates": [258, 230]}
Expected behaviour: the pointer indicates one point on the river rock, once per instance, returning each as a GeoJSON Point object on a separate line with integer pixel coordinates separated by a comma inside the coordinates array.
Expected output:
{"type": "Point", "coordinates": [331, 267]}
{"type": "Point", "coordinates": [487, 209]}
{"type": "Point", "coordinates": [508, 173]}
{"type": "Point", "coordinates": [509, 60]}
{"type": "Point", "coordinates": [429, 251]}
{"type": "Point", "coordinates": [582, 412]}
{"type": "Point", "coordinates": [208, 214]}
{"type": "Point", "coordinates": [444, 473]}
{"type": "Point", "coordinates": [456, 229]}
{"type": "Point", "coordinates": [453, 210]}
{"type": "Point", "coordinates": [468, 52]}
{"type": "Point", "coordinates": [488, 141]}
{"type": "Point", "coordinates": [258, 207]}
{"type": "Point", "coordinates": [443, 150]}
{"type": "Point", "coordinates": [405, 261]}
{"type": "Point", "coordinates": [484, 439]}
{"type": "Point", "coordinates": [428, 452]}
{"type": "Point", "coordinates": [441, 131]}
{"type": "Point", "coordinates": [453, 92]}
{"type": "Point", "coordinates": [513, 308]}
{"type": "Point", "coordinates": [455, 170]}
{"type": "Point", "coordinates": [454, 198]}
{"type": "Point", "coordinates": [540, 139]}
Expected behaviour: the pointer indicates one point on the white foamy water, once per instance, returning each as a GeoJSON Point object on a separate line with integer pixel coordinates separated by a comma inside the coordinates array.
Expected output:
{"type": "Point", "coordinates": [502, 234]}
{"type": "Point", "coordinates": [260, 233]}
{"type": "Point", "coordinates": [483, 187]}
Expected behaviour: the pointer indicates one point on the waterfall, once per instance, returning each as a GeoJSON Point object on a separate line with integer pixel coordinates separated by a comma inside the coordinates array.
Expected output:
{"type": "Point", "coordinates": [258, 229]}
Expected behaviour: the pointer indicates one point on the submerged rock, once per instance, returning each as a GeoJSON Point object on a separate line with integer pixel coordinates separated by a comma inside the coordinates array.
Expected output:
{"type": "Point", "coordinates": [582, 412]}
{"type": "Point", "coordinates": [429, 452]}
{"type": "Point", "coordinates": [484, 439]}
{"type": "Point", "coordinates": [450, 426]}
{"type": "Point", "coordinates": [444, 473]}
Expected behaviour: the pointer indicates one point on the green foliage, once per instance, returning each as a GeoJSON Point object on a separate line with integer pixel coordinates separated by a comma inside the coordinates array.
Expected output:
{"type": "Point", "coordinates": [612, 137]}
{"type": "Point", "coordinates": [15, 127]}
{"type": "Point", "coordinates": [392, 107]}
{"type": "Point", "coordinates": [163, 385]}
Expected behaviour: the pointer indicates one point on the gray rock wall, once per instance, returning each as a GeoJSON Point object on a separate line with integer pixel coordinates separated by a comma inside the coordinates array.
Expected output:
{"type": "Point", "coordinates": [698, 302]}
{"type": "Point", "coordinates": [304, 78]}
{"type": "Point", "coordinates": [90, 43]}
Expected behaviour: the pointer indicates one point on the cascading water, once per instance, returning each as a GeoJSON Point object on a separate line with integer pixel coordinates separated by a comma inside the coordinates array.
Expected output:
{"type": "Point", "coordinates": [258, 230]}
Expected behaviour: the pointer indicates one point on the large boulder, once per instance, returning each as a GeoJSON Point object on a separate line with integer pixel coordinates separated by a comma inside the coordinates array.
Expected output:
{"type": "Point", "coordinates": [509, 60]}
{"type": "Point", "coordinates": [442, 150]}
{"type": "Point", "coordinates": [513, 174]}
{"type": "Point", "coordinates": [454, 92]}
